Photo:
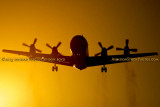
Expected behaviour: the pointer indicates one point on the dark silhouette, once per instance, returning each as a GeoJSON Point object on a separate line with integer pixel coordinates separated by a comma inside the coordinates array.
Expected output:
{"type": "Point", "coordinates": [32, 47]}
{"type": "Point", "coordinates": [126, 49]}
{"type": "Point", "coordinates": [54, 49]}
{"type": "Point", "coordinates": [80, 57]}
{"type": "Point", "coordinates": [104, 50]}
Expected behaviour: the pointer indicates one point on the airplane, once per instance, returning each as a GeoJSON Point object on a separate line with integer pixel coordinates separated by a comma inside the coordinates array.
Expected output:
{"type": "Point", "coordinates": [80, 57]}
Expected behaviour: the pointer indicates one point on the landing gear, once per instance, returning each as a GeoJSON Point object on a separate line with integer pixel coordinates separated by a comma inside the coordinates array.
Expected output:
{"type": "Point", "coordinates": [55, 67]}
{"type": "Point", "coordinates": [104, 68]}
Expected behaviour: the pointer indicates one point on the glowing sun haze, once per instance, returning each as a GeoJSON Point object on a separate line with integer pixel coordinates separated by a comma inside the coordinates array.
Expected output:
{"type": "Point", "coordinates": [33, 84]}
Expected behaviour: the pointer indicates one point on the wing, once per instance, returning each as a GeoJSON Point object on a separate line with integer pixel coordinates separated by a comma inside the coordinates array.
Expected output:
{"type": "Point", "coordinates": [112, 59]}
{"type": "Point", "coordinates": [63, 60]}
{"type": "Point", "coordinates": [134, 55]}
{"type": "Point", "coordinates": [17, 52]}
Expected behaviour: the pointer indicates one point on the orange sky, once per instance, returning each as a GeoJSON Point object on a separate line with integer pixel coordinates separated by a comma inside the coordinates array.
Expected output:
{"type": "Point", "coordinates": [33, 84]}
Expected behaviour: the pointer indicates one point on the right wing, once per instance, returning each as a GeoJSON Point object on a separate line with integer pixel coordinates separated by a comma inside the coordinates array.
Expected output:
{"type": "Point", "coordinates": [112, 59]}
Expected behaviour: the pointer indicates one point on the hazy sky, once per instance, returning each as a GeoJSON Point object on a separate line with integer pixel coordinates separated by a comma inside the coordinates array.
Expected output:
{"type": "Point", "coordinates": [33, 84]}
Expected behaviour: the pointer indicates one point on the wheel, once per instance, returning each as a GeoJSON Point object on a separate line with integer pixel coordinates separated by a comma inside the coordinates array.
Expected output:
{"type": "Point", "coordinates": [103, 69]}
{"type": "Point", "coordinates": [52, 68]}
{"type": "Point", "coordinates": [56, 68]}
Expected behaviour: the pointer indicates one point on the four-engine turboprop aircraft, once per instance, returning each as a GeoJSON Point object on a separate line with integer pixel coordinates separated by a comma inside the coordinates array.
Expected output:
{"type": "Point", "coordinates": [80, 57]}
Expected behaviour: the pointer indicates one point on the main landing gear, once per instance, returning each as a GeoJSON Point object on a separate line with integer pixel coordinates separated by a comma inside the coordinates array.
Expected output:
{"type": "Point", "coordinates": [55, 67]}
{"type": "Point", "coordinates": [104, 68]}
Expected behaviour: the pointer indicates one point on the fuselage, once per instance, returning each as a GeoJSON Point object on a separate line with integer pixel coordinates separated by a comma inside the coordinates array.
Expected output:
{"type": "Point", "coordinates": [79, 48]}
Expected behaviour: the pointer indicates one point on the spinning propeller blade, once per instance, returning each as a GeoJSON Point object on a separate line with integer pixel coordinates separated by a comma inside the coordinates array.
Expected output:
{"type": "Point", "coordinates": [38, 50]}
{"type": "Point", "coordinates": [98, 54]}
{"type": "Point", "coordinates": [25, 45]}
{"type": "Point", "coordinates": [127, 42]}
{"type": "Point", "coordinates": [104, 50]}
{"type": "Point", "coordinates": [58, 44]}
{"type": "Point", "coordinates": [133, 50]}
{"type": "Point", "coordinates": [35, 40]}
{"type": "Point", "coordinates": [119, 49]}
{"type": "Point", "coordinates": [48, 45]}
{"type": "Point", "coordinates": [100, 44]}
{"type": "Point", "coordinates": [110, 47]}
{"type": "Point", "coordinates": [32, 45]}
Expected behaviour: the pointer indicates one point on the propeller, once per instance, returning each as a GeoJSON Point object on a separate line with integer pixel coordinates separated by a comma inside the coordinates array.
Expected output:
{"type": "Point", "coordinates": [35, 40]}
{"type": "Point", "coordinates": [104, 50]}
{"type": "Point", "coordinates": [119, 49]}
{"type": "Point", "coordinates": [25, 45]}
{"type": "Point", "coordinates": [53, 46]}
{"type": "Point", "coordinates": [127, 41]}
{"type": "Point", "coordinates": [110, 47]}
{"type": "Point", "coordinates": [58, 44]}
{"type": "Point", "coordinates": [48, 45]}
{"type": "Point", "coordinates": [38, 50]}
{"type": "Point", "coordinates": [133, 50]}
{"type": "Point", "coordinates": [32, 46]}
{"type": "Point", "coordinates": [100, 44]}
{"type": "Point", "coordinates": [98, 54]}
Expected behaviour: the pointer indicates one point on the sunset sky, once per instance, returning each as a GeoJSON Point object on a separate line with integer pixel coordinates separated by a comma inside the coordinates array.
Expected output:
{"type": "Point", "coordinates": [33, 84]}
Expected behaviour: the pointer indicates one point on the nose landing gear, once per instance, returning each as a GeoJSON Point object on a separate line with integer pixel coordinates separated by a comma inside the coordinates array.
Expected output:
{"type": "Point", "coordinates": [104, 68]}
{"type": "Point", "coordinates": [55, 67]}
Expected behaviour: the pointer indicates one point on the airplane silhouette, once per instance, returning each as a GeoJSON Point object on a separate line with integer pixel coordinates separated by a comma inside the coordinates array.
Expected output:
{"type": "Point", "coordinates": [80, 57]}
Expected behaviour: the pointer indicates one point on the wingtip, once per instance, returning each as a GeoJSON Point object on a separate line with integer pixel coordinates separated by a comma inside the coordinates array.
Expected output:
{"type": "Point", "coordinates": [3, 50]}
{"type": "Point", "coordinates": [156, 53]}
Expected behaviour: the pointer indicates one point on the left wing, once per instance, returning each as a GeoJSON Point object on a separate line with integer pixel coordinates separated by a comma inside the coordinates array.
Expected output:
{"type": "Point", "coordinates": [112, 59]}
{"type": "Point", "coordinates": [63, 60]}
{"type": "Point", "coordinates": [17, 52]}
